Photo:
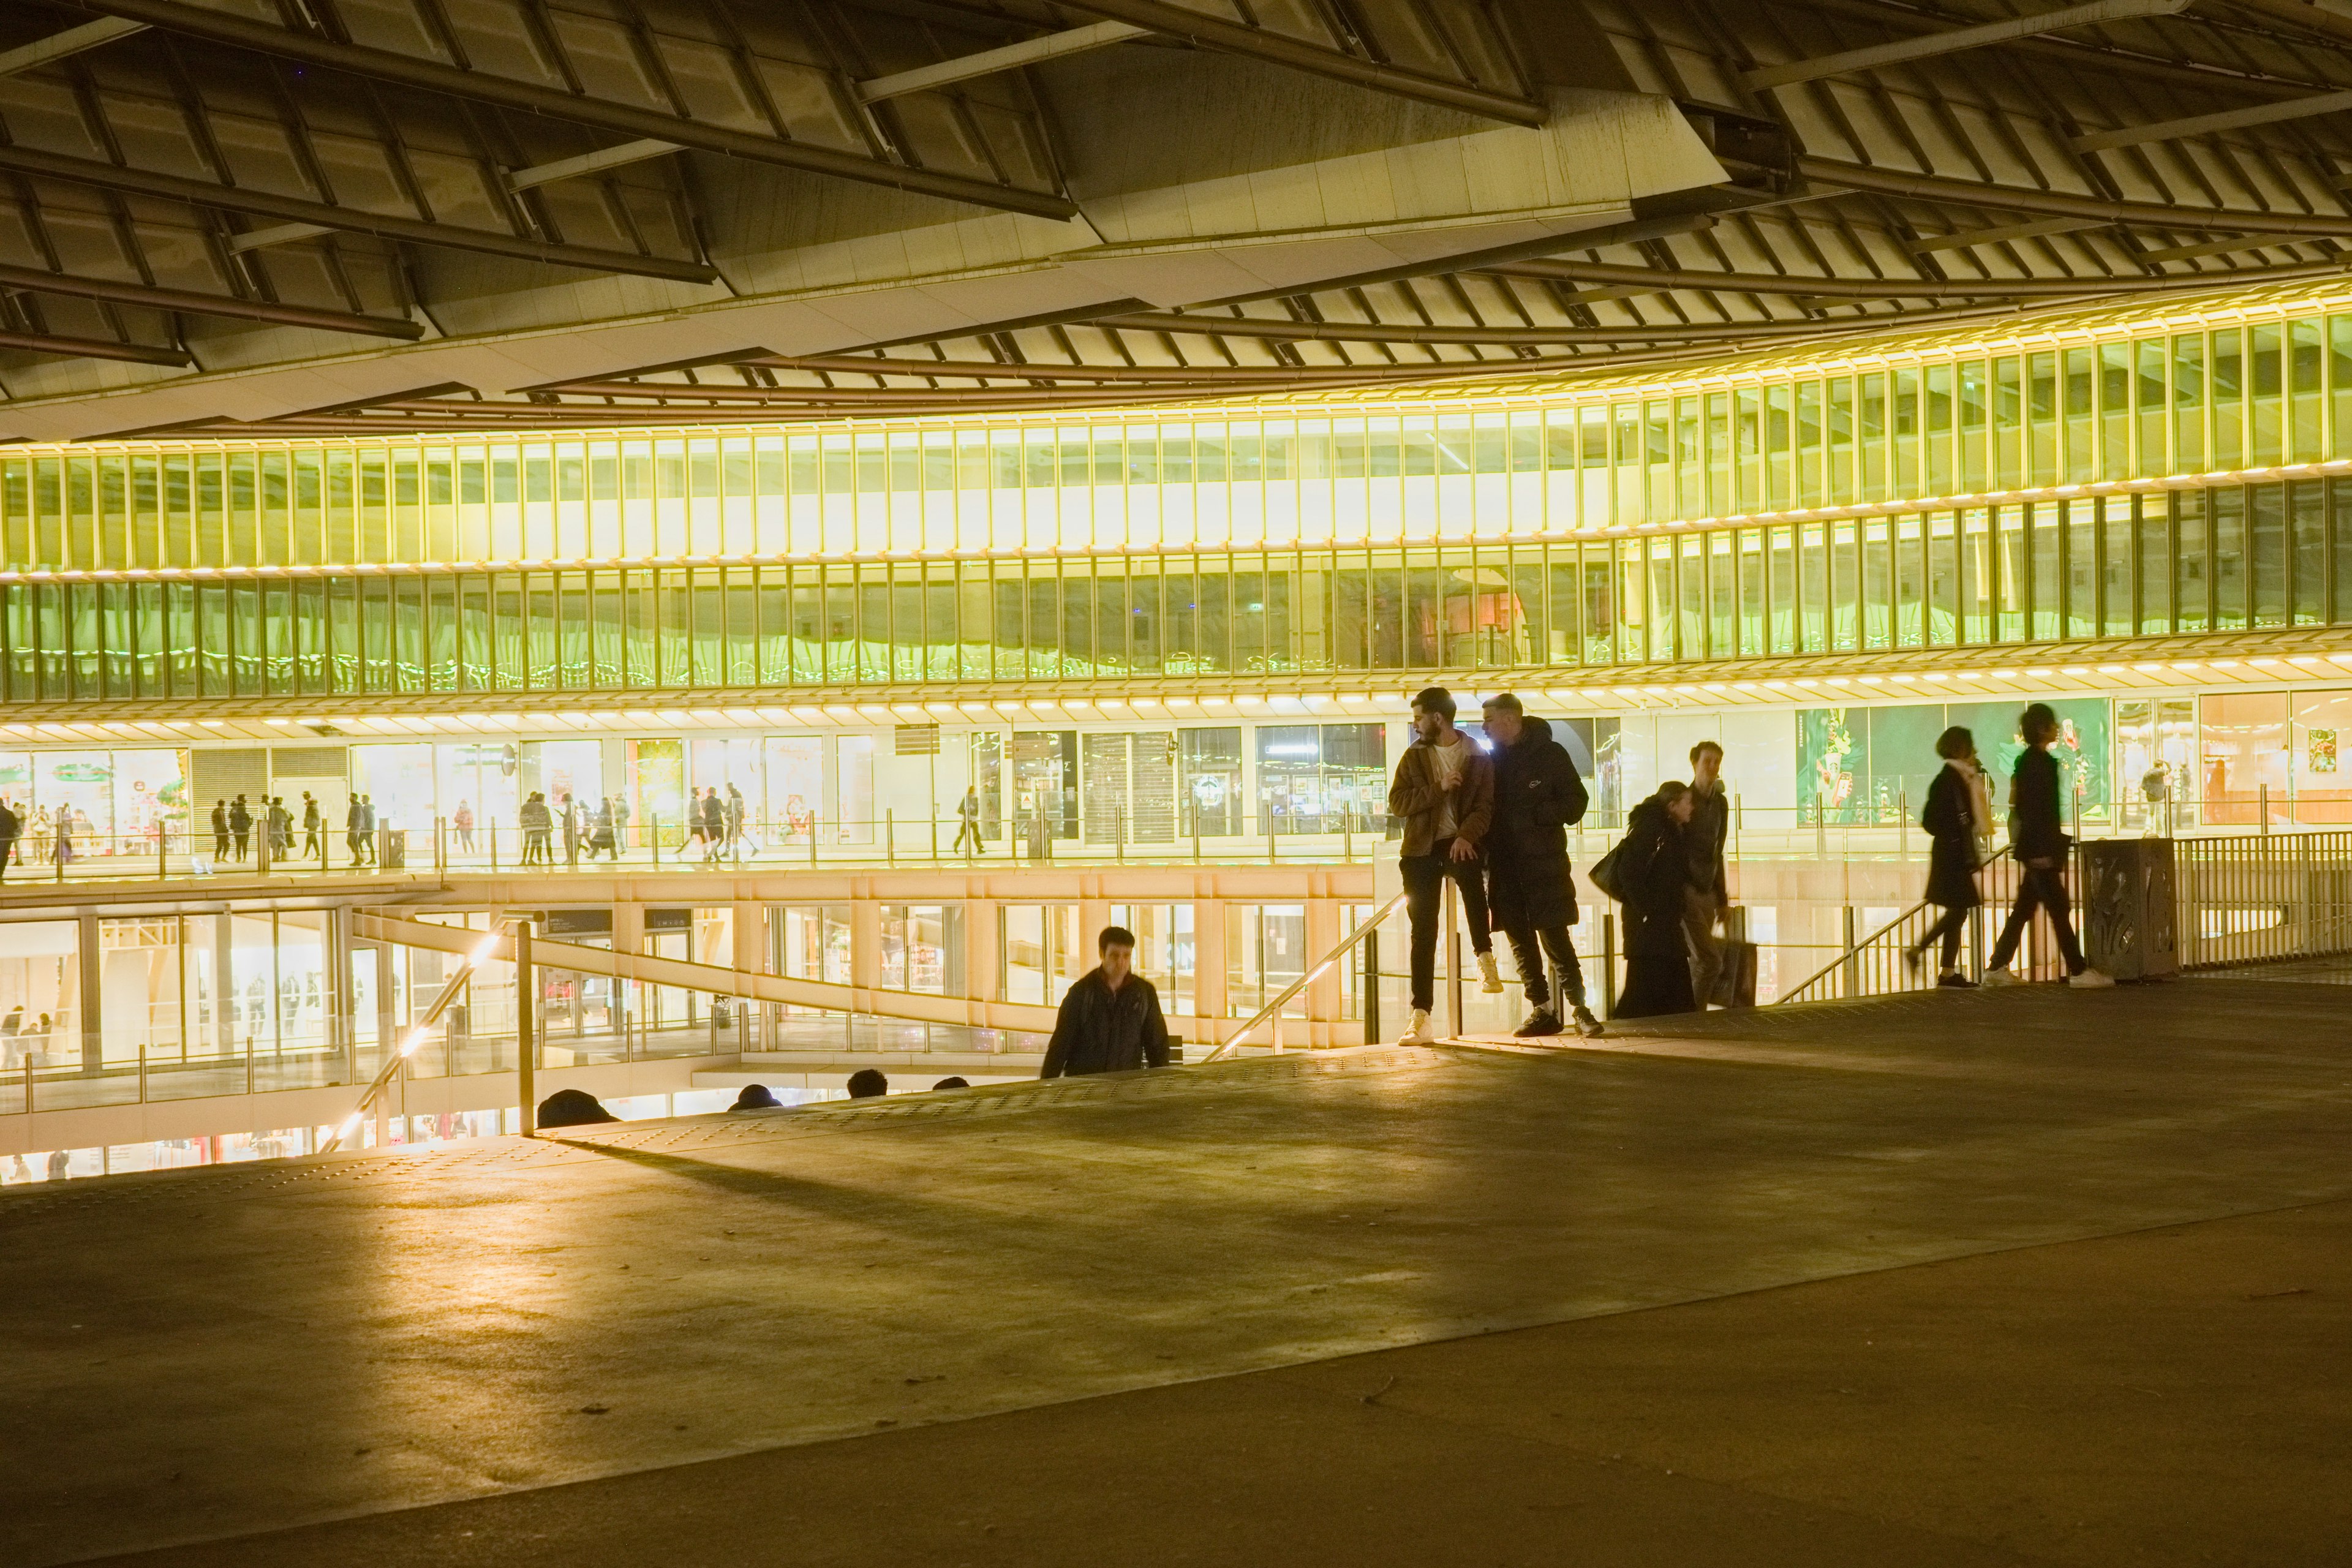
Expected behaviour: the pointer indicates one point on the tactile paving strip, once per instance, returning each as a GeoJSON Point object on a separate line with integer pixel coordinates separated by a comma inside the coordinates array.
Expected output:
{"type": "Point", "coordinates": [315, 1173]}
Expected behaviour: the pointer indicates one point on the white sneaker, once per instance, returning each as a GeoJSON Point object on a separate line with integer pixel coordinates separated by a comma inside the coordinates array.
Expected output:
{"type": "Point", "coordinates": [1419, 1033]}
{"type": "Point", "coordinates": [1490, 980]}
{"type": "Point", "coordinates": [1998, 977]}
{"type": "Point", "coordinates": [2090, 980]}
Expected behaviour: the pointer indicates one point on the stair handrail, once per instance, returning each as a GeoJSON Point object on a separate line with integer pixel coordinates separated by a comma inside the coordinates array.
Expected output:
{"type": "Point", "coordinates": [1315, 972]}
{"type": "Point", "coordinates": [1796, 992]}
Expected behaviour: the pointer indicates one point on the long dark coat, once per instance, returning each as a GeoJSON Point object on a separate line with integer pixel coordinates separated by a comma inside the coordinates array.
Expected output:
{"type": "Point", "coordinates": [1652, 873]}
{"type": "Point", "coordinates": [1538, 797]}
{"type": "Point", "coordinates": [1952, 857]}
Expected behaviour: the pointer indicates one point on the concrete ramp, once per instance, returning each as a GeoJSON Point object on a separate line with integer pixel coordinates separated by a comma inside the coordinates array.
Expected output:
{"type": "Point", "coordinates": [201, 1356]}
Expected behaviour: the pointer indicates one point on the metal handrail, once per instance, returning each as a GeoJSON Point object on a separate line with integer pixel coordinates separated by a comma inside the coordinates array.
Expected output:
{"type": "Point", "coordinates": [1797, 992]}
{"type": "Point", "coordinates": [1313, 972]}
{"type": "Point", "coordinates": [394, 1060]}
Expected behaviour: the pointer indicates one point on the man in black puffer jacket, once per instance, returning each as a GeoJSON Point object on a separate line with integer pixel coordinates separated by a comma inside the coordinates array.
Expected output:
{"type": "Point", "coordinates": [1110, 1020]}
{"type": "Point", "coordinates": [1538, 797]}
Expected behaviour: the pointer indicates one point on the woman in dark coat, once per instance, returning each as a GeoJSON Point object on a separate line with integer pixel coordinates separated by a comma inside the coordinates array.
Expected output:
{"type": "Point", "coordinates": [1953, 826]}
{"type": "Point", "coordinates": [1651, 872]}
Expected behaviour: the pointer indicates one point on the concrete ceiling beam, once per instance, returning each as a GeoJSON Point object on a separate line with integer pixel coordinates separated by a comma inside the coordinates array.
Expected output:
{"type": "Point", "coordinates": [530, 97]}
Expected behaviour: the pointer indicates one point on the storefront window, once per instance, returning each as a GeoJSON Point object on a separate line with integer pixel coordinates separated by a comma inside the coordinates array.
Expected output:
{"type": "Point", "coordinates": [657, 789]}
{"type": "Point", "coordinates": [1321, 778]}
{"type": "Point", "coordinates": [1266, 953]}
{"type": "Point", "coordinates": [922, 949]}
{"type": "Point", "coordinates": [810, 941]}
{"type": "Point", "coordinates": [2323, 790]}
{"type": "Point", "coordinates": [2247, 746]}
{"type": "Point", "coordinates": [40, 994]}
{"type": "Point", "coordinates": [111, 803]}
{"type": "Point", "coordinates": [1045, 778]}
{"type": "Point", "coordinates": [1211, 782]}
{"type": "Point", "coordinates": [1163, 949]}
{"type": "Point", "coordinates": [1036, 945]}
{"type": "Point", "coordinates": [795, 786]}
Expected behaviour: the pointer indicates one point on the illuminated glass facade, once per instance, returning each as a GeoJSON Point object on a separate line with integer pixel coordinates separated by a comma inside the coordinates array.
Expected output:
{"type": "Point", "coordinates": [2221, 558]}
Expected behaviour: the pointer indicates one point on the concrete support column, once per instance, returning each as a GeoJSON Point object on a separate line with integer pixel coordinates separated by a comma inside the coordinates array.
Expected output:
{"type": "Point", "coordinates": [628, 928]}
{"type": "Point", "coordinates": [1323, 996]}
{"type": "Point", "coordinates": [865, 941]}
{"type": "Point", "coordinates": [1209, 961]}
{"type": "Point", "coordinates": [1093, 915]}
{"type": "Point", "coordinates": [89, 1010]}
{"type": "Point", "coordinates": [983, 952]}
{"type": "Point", "coordinates": [751, 937]}
{"type": "Point", "coordinates": [224, 992]}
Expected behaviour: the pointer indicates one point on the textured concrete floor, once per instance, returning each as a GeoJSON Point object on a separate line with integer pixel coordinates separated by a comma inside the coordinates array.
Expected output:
{"type": "Point", "coordinates": [2023, 1276]}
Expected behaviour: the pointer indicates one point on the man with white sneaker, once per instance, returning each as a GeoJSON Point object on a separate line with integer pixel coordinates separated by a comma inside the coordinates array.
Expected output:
{"type": "Point", "coordinates": [1444, 792]}
{"type": "Point", "coordinates": [2039, 839]}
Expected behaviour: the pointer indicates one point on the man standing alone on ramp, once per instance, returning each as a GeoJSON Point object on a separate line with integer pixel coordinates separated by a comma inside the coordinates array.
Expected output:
{"type": "Point", "coordinates": [1538, 797]}
{"type": "Point", "coordinates": [1111, 1019]}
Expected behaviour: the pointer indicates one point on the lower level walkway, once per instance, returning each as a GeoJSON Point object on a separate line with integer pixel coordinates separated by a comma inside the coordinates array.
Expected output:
{"type": "Point", "coordinates": [2015, 1277]}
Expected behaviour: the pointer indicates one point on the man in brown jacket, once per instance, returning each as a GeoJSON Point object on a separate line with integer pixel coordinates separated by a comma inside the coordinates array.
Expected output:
{"type": "Point", "coordinates": [1444, 791]}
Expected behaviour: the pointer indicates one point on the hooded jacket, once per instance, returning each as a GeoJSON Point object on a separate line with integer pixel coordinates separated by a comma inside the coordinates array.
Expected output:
{"type": "Point", "coordinates": [1538, 796]}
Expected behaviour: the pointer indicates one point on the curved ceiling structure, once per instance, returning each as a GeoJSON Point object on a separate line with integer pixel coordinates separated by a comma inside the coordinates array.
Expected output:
{"type": "Point", "coordinates": [335, 216]}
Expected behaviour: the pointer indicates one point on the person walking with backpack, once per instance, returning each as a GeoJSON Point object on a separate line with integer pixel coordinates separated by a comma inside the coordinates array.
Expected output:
{"type": "Point", "coordinates": [1649, 875]}
{"type": "Point", "coordinates": [2038, 837]}
{"type": "Point", "coordinates": [1444, 791]}
{"type": "Point", "coordinates": [1530, 898]}
{"type": "Point", "coordinates": [314, 823]}
{"type": "Point", "coordinates": [1953, 818]}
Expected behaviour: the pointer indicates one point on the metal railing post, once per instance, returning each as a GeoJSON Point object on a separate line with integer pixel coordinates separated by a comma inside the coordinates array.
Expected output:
{"type": "Point", "coordinates": [526, 1032]}
{"type": "Point", "coordinates": [1371, 968]}
{"type": "Point", "coordinates": [812, 819]}
{"type": "Point", "coordinates": [890, 835]}
{"type": "Point", "coordinates": [1608, 963]}
{"type": "Point", "coordinates": [1453, 962]}
{"type": "Point", "coordinates": [1852, 978]}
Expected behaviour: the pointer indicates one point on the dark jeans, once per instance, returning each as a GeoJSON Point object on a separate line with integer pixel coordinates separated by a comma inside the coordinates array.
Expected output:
{"type": "Point", "coordinates": [1425, 885]}
{"type": "Point", "coordinates": [2043, 888]}
{"type": "Point", "coordinates": [1562, 953]}
{"type": "Point", "coordinates": [1947, 928]}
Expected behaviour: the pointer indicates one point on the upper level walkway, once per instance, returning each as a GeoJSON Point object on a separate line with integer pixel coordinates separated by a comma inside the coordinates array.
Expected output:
{"type": "Point", "coordinates": [1999, 1277]}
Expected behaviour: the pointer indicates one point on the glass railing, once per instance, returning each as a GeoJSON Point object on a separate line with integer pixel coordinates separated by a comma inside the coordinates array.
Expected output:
{"type": "Point", "coordinates": [1874, 829]}
{"type": "Point", "coordinates": [64, 1067]}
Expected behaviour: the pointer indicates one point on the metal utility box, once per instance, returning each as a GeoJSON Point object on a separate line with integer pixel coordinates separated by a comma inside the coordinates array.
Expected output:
{"type": "Point", "coordinates": [2129, 908]}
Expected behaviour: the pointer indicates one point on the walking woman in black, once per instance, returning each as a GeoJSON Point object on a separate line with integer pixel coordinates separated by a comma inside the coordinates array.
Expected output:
{"type": "Point", "coordinates": [1651, 872]}
{"type": "Point", "coordinates": [1955, 821]}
